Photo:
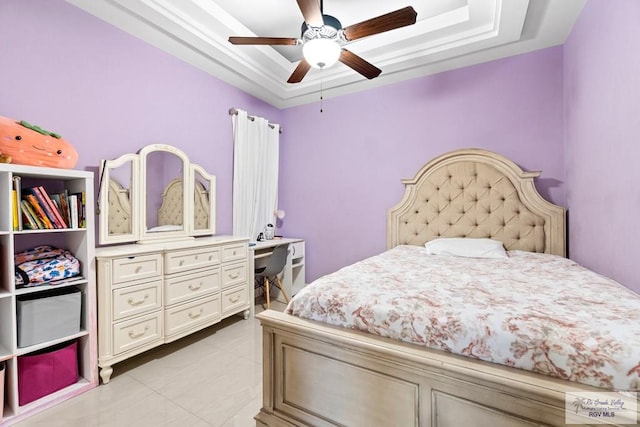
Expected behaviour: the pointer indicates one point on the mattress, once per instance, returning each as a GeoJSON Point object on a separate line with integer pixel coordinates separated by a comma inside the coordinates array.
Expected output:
{"type": "Point", "coordinates": [537, 312]}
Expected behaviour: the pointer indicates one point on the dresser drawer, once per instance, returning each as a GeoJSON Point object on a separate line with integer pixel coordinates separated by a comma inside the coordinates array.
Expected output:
{"type": "Point", "coordinates": [137, 299]}
{"type": "Point", "coordinates": [137, 332]}
{"type": "Point", "coordinates": [191, 314]}
{"type": "Point", "coordinates": [234, 252]}
{"type": "Point", "coordinates": [189, 260]}
{"type": "Point", "coordinates": [126, 269]}
{"type": "Point", "coordinates": [235, 299]}
{"type": "Point", "coordinates": [188, 286]}
{"type": "Point", "coordinates": [234, 274]}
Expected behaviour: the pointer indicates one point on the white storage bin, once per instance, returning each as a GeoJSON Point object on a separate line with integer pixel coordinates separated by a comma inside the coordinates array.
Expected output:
{"type": "Point", "coordinates": [48, 316]}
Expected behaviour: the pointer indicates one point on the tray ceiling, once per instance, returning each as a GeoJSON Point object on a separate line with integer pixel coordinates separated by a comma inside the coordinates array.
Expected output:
{"type": "Point", "coordinates": [448, 34]}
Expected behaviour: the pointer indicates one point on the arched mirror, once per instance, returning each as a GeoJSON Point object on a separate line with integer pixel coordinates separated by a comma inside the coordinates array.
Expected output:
{"type": "Point", "coordinates": [204, 215]}
{"type": "Point", "coordinates": [165, 170]}
{"type": "Point", "coordinates": [142, 199]}
{"type": "Point", "coordinates": [117, 202]}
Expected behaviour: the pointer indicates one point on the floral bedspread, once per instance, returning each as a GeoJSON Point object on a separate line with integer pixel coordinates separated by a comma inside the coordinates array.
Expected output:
{"type": "Point", "coordinates": [537, 312]}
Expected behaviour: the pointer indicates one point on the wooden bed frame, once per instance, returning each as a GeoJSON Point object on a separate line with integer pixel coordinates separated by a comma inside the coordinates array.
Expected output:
{"type": "Point", "coordinates": [320, 375]}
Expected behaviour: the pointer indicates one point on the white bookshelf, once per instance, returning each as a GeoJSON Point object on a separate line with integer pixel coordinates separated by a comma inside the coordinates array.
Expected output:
{"type": "Point", "coordinates": [81, 244]}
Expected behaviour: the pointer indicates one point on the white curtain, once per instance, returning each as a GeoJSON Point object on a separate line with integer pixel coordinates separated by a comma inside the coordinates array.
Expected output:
{"type": "Point", "coordinates": [255, 174]}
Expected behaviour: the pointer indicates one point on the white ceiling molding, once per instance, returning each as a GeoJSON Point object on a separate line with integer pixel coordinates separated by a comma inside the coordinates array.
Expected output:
{"type": "Point", "coordinates": [448, 34]}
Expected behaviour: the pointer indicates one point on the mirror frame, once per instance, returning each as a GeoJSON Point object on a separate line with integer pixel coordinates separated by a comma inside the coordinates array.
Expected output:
{"type": "Point", "coordinates": [137, 192]}
{"type": "Point", "coordinates": [145, 234]}
{"type": "Point", "coordinates": [211, 181]}
{"type": "Point", "coordinates": [103, 211]}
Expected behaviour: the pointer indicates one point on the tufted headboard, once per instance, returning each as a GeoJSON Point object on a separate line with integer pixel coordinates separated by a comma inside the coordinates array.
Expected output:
{"type": "Point", "coordinates": [170, 212]}
{"type": "Point", "coordinates": [119, 208]}
{"type": "Point", "coordinates": [476, 193]}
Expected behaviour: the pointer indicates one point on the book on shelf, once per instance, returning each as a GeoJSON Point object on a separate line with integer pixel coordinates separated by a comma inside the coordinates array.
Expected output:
{"type": "Point", "coordinates": [14, 209]}
{"type": "Point", "coordinates": [55, 198]}
{"type": "Point", "coordinates": [35, 197]}
{"type": "Point", "coordinates": [47, 205]}
{"type": "Point", "coordinates": [38, 211]}
{"type": "Point", "coordinates": [73, 210]}
{"type": "Point", "coordinates": [80, 207]}
{"type": "Point", "coordinates": [17, 209]}
{"type": "Point", "coordinates": [59, 220]}
{"type": "Point", "coordinates": [26, 207]}
{"type": "Point", "coordinates": [64, 206]}
{"type": "Point", "coordinates": [30, 220]}
{"type": "Point", "coordinates": [61, 202]}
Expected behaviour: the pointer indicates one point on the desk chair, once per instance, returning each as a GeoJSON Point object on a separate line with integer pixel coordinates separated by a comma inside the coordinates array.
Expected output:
{"type": "Point", "coordinates": [269, 274]}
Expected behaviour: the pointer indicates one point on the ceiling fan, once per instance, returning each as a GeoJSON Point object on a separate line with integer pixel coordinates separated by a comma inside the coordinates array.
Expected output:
{"type": "Point", "coordinates": [322, 38]}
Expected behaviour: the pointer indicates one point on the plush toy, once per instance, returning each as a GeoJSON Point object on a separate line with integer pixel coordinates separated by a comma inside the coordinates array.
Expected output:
{"type": "Point", "coordinates": [27, 144]}
{"type": "Point", "coordinates": [4, 158]}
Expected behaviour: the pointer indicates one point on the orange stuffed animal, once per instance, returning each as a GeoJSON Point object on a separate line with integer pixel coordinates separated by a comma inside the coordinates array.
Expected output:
{"type": "Point", "coordinates": [27, 144]}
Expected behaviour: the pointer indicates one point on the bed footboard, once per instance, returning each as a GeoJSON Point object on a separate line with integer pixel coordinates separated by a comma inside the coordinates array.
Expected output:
{"type": "Point", "coordinates": [319, 375]}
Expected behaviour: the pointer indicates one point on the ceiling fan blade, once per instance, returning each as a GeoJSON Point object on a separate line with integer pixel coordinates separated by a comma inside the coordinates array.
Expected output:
{"type": "Point", "coordinates": [311, 12]}
{"type": "Point", "coordinates": [355, 62]}
{"type": "Point", "coordinates": [263, 40]}
{"type": "Point", "coordinates": [390, 21]}
{"type": "Point", "coordinates": [301, 70]}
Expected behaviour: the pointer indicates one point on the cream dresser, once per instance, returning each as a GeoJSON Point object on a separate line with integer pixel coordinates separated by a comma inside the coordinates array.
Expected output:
{"type": "Point", "coordinates": [154, 293]}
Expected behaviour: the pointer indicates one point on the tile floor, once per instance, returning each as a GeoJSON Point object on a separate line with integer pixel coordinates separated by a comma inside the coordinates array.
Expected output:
{"type": "Point", "coordinates": [211, 378]}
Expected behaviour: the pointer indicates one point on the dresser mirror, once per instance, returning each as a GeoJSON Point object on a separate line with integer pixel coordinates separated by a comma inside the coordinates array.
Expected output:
{"type": "Point", "coordinates": [142, 197]}
{"type": "Point", "coordinates": [204, 197]}
{"type": "Point", "coordinates": [116, 201]}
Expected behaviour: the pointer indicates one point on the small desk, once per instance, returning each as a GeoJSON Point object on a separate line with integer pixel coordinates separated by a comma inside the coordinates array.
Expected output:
{"type": "Point", "coordinates": [293, 274]}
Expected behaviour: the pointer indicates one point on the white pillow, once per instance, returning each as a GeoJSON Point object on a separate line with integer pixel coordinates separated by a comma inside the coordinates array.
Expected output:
{"type": "Point", "coordinates": [466, 247]}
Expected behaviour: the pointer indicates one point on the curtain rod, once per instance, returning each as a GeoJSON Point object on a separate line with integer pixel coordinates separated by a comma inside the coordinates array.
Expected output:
{"type": "Point", "coordinates": [234, 111]}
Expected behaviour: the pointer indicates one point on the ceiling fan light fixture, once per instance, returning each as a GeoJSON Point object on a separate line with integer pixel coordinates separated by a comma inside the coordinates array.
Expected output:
{"type": "Point", "coordinates": [322, 37]}
{"type": "Point", "coordinates": [321, 53]}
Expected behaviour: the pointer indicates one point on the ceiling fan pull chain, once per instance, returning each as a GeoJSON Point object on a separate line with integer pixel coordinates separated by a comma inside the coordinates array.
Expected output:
{"type": "Point", "coordinates": [321, 97]}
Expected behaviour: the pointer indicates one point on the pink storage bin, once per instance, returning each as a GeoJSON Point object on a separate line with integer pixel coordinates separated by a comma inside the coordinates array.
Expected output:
{"type": "Point", "coordinates": [42, 374]}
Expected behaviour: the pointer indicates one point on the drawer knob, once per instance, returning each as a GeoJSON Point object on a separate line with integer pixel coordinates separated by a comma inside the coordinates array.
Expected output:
{"type": "Point", "coordinates": [181, 262]}
{"type": "Point", "coordinates": [133, 335]}
{"type": "Point", "coordinates": [234, 252]}
{"type": "Point", "coordinates": [195, 315]}
{"type": "Point", "coordinates": [235, 298]}
{"type": "Point", "coordinates": [195, 287]}
{"type": "Point", "coordinates": [138, 269]}
{"type": "Point", "coordinates": [196, 256]}
{"type": "Point", "coordinates": [131, 301]}
{"type": "Point", "coordinates": [210, 257]}
{"type": "Point", "coordinates": [234, 275]}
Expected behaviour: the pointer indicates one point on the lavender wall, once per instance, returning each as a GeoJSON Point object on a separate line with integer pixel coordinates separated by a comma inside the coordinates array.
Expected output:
{"type": "Point", "coordinates": [109, 93]}
{"type": "Point", "coordinates": [341, 170]}
{"type": "Point", "coordinates": [602, 122]}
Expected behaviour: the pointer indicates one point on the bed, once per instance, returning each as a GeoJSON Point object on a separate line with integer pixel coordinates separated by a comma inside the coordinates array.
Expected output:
{"type": "Point", "coordinates": [319, 374]}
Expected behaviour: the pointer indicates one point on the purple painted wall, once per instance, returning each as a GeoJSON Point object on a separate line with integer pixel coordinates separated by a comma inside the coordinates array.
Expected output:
{"type": "Point", "coordinates": [109, 93]}
{"type": "Point", "coordinates": [602, 146]}
{"type": "Point", "coordinates": [341, 170]}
